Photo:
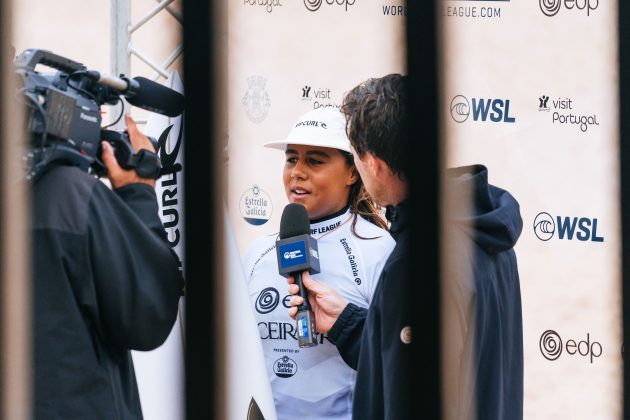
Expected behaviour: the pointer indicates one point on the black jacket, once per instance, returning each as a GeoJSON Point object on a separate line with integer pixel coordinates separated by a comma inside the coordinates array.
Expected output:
{"type": "Point", "coordinates": [370, 340]}
{"type": "Point", "coordinates": [482, 285]}
{"type": "Point", "coordinates": [483, 298]}
{"type": "Point", "coordinates": [104, 281]}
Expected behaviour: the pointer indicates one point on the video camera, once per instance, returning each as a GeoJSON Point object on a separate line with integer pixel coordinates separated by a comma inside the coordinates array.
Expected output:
{"type": "Point", "coordinates": [64, 116]}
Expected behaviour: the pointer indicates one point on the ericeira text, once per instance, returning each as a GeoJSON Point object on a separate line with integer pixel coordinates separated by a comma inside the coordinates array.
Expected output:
{"type": "Point", "coordinates": [267, 4]}
{"type": "Point", "coordinates": [170, 196]}
{"type": "Point", "coordinates": [282, 331]}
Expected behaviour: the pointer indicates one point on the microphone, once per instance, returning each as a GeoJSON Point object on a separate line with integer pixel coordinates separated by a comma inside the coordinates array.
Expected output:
{"type": "Point", "coordinates": [144, 93]}
{"type": "Point", "coordinates": [296, 251]}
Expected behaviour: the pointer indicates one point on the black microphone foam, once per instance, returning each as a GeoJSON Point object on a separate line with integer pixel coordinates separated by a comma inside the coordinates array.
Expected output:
{"type": "Point", "coordinates": [294, 221]}
{"type": "Point", "coordinates": [158, 98]}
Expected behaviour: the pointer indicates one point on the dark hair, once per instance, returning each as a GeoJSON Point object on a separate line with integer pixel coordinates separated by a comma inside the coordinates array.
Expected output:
{"type": "Point", "coordinates": [375, 112]}
{"type": "Point", "coordinates": [361, 204]}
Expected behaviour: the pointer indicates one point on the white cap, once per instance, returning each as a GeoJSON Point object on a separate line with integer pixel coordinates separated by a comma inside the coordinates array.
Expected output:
{"type": "Point", "coordinates": [325, 127]}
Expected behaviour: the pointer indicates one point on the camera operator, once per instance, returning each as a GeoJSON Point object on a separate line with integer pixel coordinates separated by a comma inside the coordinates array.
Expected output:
{"type": "Point", "coordinates": [105, 282]}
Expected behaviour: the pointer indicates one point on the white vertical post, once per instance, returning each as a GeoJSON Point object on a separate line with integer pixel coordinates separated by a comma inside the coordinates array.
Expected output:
{"type": "Point", "coordinates": [120, 40]}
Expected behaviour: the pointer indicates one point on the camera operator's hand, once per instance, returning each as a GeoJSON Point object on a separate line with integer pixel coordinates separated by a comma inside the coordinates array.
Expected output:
{"type": "Point", "coordinates": [118, 176]}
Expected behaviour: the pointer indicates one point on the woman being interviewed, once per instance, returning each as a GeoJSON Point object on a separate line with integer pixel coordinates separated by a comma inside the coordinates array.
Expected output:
{"type": "Point", "coordinates": [319, 173]}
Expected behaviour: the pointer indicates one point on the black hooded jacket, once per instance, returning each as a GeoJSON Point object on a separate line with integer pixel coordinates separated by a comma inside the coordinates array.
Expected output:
{"type": "Point", "coordinates": [105, 281]}
{"type": "Point", "coordinates": [482, 285]}
{"type": "Point", "coordinates": [482, 298]}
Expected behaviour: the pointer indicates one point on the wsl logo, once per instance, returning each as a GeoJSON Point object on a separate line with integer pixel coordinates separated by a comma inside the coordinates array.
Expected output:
{"type": "Point", "coordinates": [460, 108]}
{"type": "Point", "coordinates": [552, 7]}
{"type": "Point", "coordinates": [481, 109]}
{"type": "Point", "coordinates": [284, 367]}
{"type": "Point", "coordinates": [567, 228]}
{"type": "Point", "coordinates": [544, 226]}
{"type": "Point", "coordinates": [256, 207]}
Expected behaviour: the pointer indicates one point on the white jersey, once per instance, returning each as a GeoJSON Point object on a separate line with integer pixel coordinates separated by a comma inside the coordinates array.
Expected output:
{"type": "Point", "coordinates": [314, 383]}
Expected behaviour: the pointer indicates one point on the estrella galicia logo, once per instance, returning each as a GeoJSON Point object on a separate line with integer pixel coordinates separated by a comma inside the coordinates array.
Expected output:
{"type": "Point", "coordinates": [550, 345]}
{"type": "Point", "coordinates": [256, 99]}
{"type": "Point", "coordinates": [542, 103]}
{"type": "Point", "coordinates": [314, 5]}
{"type": "Point", "coordinates": [460, 108]}
{"type": "Point", "coordinates": [284, 367]}
{"type": "Point", "coordinates": [567, 228]}
{"type": "Point", "coordinates": [482, 110]}
{"type": "Point", "coordinates": [544, 226]}
{"type": "Point", "coordinates": [256, 206]}
{"type": "Point", "coordinates": [552, 7]}
{"type": "Point", "coordinates": [267, 300]}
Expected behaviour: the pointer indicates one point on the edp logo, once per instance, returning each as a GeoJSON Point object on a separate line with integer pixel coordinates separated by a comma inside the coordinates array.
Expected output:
{"type": "Point", "coordinates": [552, 7]}
{"type": "Point", "coordinates": [551, 346]}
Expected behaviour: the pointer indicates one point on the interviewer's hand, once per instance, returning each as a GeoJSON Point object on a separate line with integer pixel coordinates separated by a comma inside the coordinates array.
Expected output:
{"type": "Point", "coordinates": [118, 176]}
{"type": "Point", "coordinates": [326, 303]}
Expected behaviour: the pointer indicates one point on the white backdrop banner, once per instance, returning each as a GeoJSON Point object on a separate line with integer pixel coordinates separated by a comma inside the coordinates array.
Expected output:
{"type": "Point", "coordinates": [530, 90]}
{"type": "Point", "coordinates": [160, 373]}
{"type": "Point", "coordinates": [284, 59]}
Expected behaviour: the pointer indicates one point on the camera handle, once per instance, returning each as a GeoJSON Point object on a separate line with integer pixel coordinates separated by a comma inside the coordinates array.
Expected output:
{"type": "Point", "coordinates": [28, 59]}
{"type": "Point", "coordinates": [146, 164]}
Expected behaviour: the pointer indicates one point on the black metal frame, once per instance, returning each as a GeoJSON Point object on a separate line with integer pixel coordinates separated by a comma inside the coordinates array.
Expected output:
{"type": "Point", "coordinates": [201, 257]}
{"type": "Point", "coordinates": [624, 151]}
{"type": "Point", "coordinates": [424, 173]}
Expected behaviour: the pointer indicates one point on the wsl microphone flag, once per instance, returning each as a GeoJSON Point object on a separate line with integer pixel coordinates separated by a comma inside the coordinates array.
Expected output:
{"type": "Point", "coordinates": [249, 389]}
{"type": "Point", "coordinates": [160, 373]}
{"type": "Point", "coordinates": [296, 251]}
